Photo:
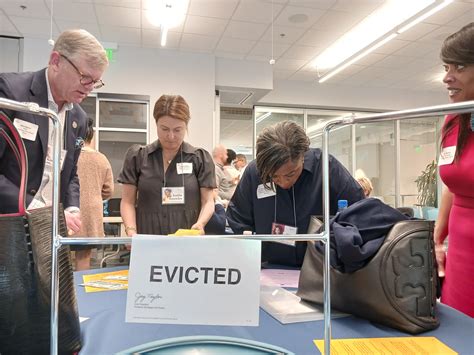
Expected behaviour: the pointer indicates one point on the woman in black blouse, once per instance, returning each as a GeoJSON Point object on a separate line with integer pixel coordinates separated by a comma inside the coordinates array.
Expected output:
{"type": "Point", "coordinates": [167, 185]}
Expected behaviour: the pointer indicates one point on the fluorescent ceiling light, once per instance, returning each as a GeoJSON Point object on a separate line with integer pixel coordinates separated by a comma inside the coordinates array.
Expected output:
{"type": "Point", "coordinates": [164, 33]}
{"type": "Point", "coordinates": [262, 117]}
{"type": "Point", "coordinates": [425, 15]}
{"type": "Point", "coordinates": [166, 14]}
{"type": "Point", "coordinates": [375, 30]}
{"type": "Point", "coordinates": [356, 58]}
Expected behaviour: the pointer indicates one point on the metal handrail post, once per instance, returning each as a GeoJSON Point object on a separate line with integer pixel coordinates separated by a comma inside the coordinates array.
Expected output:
{"type": "Point", "coordinates": [55, 243]}
{"type": "Point", "coordinates": [128, 240]}
{"type": "Point", "coordinates": [326, 277]}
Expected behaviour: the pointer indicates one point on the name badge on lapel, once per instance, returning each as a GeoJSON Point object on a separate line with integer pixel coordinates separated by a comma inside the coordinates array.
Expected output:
{"type": "Point", "coordinates": [184, 168]}
{"type": "Point", "coordinates": [26, 129]}
{"type": "Point", "coordinates": [446, 156]}
{"type": "Point", "coordinates": [262, 192]}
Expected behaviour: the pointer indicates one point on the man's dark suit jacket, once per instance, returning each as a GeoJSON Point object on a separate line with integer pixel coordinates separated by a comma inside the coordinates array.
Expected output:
{"type": "Point", "coordinates": [31, 87]}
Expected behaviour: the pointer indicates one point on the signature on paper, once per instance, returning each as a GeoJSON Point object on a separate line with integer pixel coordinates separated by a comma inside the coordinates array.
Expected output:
{"type": "Point", "coordinates": [146, 299]}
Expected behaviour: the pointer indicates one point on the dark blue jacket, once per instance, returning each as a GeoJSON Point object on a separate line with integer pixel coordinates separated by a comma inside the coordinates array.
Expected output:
{"type": "Point", "coordinates": [31, 87]}
{"type": "Point", "coordinates": [359, 231]}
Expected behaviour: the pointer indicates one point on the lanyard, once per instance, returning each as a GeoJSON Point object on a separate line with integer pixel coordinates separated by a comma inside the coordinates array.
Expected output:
{"type": "Point", "coordinates": [294, 204]}
{"type": "Point", "coordinates": [182, 175]}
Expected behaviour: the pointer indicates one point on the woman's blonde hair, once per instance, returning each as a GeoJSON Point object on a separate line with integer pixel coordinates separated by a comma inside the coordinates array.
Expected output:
{"type": "Point", "coordinates": [366, 185]}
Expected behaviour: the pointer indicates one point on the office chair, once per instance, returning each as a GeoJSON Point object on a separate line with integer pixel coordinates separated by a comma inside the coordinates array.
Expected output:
{"type": "Point", "coordinates": [114, 207]}
{"type": "Point", "coordinates": [114, 230]}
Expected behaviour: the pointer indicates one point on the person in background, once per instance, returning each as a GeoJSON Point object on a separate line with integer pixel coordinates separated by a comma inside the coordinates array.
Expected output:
{"type": "Point", "coordinates": [366, 185]}
{"type": "Point", "coordinates": [364, 182]}
{"type": "Point", "coordinates": [456, 167]}
{"type": "Point", "coordinates": [169, 163]}
{"type": "Point", "coordinates": [284, 186]}
{"type": "Point", "coordinates": [240, 163]}
{"type": "Point", "coordinates": [97, 184]}
{"type": "Point", "coordinates": [229, 168]}
{"type": "Point", "coordinates": [76, 65]}
{"type": "Point", "coordinates": [225, 183]}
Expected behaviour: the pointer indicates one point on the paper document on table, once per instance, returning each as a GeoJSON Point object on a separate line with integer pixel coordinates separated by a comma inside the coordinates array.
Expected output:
{"type": "Point", "coordinates": [390, 346]}
{"type": "Point", "coordinates": [286, 307]}
{"type": "Point", "coordinates": [279, 277]}
{"type": "Point", "coordinates": [185, 233]}
{"type": "Point", "coordinates": [106, 281]}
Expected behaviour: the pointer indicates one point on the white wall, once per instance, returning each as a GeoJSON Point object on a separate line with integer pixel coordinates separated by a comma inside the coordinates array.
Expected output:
{"type": "Point", "coordinates": [296, 93]}
{"type": "Point", "coordinates": [10, 49]}
{"type": "Point", "coordinates": [244, 74]}
{"type": "Point", "coordinates": [153, 72]}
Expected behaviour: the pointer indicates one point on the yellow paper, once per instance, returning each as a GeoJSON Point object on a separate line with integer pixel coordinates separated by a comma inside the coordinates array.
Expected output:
{"type": "Point", "coordinates": [185, 233]}
{"type": "Point", "coordinates": [102, 277]}
{"type": "Point", "coordinates": [388, 346]}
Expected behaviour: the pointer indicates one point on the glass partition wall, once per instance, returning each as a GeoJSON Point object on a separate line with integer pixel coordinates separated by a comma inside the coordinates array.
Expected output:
{"type": "Point", "coordinates": [119, 122]}
{"type": "Point", "coordinates": [393, 155]}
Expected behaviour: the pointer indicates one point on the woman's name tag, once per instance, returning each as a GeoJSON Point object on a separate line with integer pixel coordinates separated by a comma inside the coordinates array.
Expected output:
{"type": "Point", "coordinates": [446, 156]}
{"type": "Point", "coordinates": [184, 168]}
{"type": "Point", "coordinates": [172, 195]}
{"type": "Point", "coordinates": [263, 192]}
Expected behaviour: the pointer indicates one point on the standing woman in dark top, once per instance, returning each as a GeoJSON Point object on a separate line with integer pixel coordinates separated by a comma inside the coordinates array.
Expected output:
{"type": "Point", "coordinates": [167, 185]}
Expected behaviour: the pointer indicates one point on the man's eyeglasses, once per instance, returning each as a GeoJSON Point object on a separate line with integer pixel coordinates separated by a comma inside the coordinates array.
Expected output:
{"type": "Point", "coordinates": [85, 79]}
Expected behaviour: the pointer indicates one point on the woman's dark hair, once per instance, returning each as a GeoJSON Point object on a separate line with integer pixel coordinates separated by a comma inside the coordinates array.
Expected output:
{"type": "Point", "coordinates": [89, 131]}
{"type": "Point", "coordinates": [458, 48]}
{"type": "Point", "coordinates": [231, 155]}
{"type": "Point", "coordinates": [278, 144]}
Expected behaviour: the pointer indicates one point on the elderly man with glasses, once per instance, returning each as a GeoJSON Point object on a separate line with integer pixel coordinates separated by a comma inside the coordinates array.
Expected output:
{"type": "Point", "coordinates": [76, 65]}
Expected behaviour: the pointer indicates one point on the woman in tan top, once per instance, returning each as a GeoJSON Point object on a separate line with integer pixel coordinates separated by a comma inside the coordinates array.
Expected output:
{"type": "Point", "coordinates": [97, 184]}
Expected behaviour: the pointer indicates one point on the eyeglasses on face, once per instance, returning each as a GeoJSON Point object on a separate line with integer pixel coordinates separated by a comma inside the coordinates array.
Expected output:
{"type": "Point", "coordinates": [85, 79]}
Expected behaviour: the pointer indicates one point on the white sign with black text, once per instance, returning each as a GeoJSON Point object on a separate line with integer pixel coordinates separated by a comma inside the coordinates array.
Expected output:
{"type": "Point", "coordinates": [194, 280]}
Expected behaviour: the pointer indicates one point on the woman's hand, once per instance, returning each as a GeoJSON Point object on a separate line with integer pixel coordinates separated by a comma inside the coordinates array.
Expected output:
{"type": "Point", "coordinates": [130, 232]}
{"type": "Point", "coordinates": [198, 226]}
{"type": "Point", "coordinates": [440, 258]}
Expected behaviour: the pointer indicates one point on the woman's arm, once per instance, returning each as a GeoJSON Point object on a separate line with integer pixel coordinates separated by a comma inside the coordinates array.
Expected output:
{"type": "Point", "coordinates": [207, 209]}
{"type": "Point", "coordinates": [441, 228]}
{"type": "Point", "coordinates": [127, 209]}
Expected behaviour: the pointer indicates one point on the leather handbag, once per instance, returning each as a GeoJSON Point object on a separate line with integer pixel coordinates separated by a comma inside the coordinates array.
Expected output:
{"type": "Point", "coordinates": [25, 273]}
{"type": "Point", "coordinates": [397, 288]}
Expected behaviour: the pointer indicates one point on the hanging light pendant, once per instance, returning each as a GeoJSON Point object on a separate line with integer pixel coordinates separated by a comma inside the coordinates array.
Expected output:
{"type": "Point", "coordinates": [166, 14]}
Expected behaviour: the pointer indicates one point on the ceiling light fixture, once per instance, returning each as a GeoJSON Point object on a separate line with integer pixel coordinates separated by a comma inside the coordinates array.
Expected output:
{"type": "Point", "coordinates": [166, 14]}
{"type": "Point", "coordinates": [384, 24]}
{"type": "Point", "coordinates": [272, 59]}
{"type": "Point", "coordinates": [50, 40]}
{"type": "Point", "coordinates": [262, 117]}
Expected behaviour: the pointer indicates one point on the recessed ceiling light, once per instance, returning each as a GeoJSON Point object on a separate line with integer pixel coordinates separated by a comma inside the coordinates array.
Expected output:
{"type": "Point", "coordinates": [298, 18]}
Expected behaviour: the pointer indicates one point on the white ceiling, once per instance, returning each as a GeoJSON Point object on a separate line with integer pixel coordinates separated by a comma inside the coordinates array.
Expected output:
{"type": "Point", "coordinates": [241, 29]}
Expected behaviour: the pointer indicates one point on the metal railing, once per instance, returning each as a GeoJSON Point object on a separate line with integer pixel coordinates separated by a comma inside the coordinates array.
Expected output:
{"type": "Point", "coordinates": [58, 241]}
